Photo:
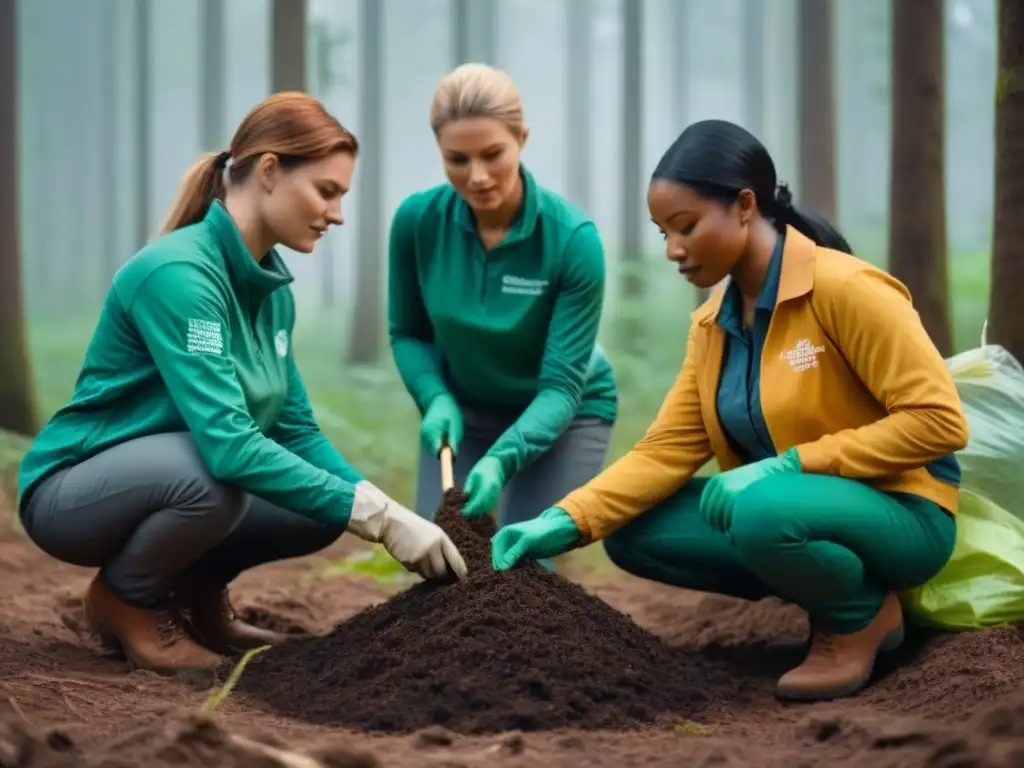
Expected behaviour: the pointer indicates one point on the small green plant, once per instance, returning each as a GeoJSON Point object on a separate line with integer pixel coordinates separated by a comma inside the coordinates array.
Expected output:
{"type": "Point", "coordinates": [690, 728]}
{"type": "Point", "coordinates": [374, 563]}
{"type": "Point", "coordinates": [214, 700]}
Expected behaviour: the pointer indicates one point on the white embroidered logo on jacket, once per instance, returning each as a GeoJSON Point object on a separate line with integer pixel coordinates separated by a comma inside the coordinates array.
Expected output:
{"type": "Point", "coordinates": [803, 355]}
{"type": "Point", "coordinates": [281, 343]}
{"type": "Point", "coordinates": [204, 337]}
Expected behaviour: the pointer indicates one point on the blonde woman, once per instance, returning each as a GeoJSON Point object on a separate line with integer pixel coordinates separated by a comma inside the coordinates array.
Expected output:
{"type": "Point", "coordinates": [496, 287]}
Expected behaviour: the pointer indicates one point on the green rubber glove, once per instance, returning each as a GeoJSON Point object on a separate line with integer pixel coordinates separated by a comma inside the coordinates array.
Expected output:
{"type": "Point", "coordinates": [442, 421]}
{"type": "Point", "coordinates": [551, 533]}
{"type": "Point", "coordinates": [483, 487]}
{"type": "Point", "coordinates": [719, 496]}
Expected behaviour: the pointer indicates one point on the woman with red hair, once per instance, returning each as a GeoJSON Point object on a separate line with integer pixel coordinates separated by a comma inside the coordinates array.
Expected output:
{"type": "Point", "coordinates": [189, 451]}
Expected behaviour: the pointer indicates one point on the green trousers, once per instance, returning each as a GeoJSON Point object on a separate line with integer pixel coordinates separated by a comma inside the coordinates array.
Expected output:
{"type": "Point", "coordinates": [831, 545]}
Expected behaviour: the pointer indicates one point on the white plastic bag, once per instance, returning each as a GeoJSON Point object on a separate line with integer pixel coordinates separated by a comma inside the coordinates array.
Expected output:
{"type": "Point", "coordinates": [991, 386]}
{"type": "Point", "coordinates": [983, 582]}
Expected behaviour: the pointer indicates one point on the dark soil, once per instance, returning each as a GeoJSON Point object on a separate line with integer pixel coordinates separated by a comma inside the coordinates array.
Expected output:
{"type": "Point", "coordinates": [521, 650]}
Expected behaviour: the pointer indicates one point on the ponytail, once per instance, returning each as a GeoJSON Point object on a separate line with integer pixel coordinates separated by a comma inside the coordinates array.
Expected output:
{"type": "Point", "coordinates": [816, 227]}
{"type": "Point", "coordinates": [202, 184]}
{"type": "Point", "coordinates": [718, 159]}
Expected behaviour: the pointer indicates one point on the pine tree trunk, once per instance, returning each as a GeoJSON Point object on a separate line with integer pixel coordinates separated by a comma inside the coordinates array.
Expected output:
{"type": "Point", "coordinates": [917, 191]}
{"type": "Point", "coordinates": [288, 43]}
{"type": "Point", "coordinates": [366, 331]}
{"type": "Point", "coordinates": [17, 404]}
{"type": "Point", "coordinates": [632, 187]}
{"type": "Point", "coordinates": [1006, 322]}
{"type": "Point", "coordinates": [579, 123]}
{"type": "Point", "coordinates": [817, 109]}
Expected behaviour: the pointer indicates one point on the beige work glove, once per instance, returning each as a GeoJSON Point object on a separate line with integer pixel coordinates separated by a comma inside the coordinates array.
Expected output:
{"type": "Point", "coordinates": [418, 544]}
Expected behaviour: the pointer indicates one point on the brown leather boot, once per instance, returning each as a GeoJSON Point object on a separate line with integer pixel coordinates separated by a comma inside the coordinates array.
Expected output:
{"type": "Point", "coordinates": [151, 639]}
{"type": "Point", "coordinates": [215, 624]}
{"type": "Point", "coordinates": [841, 664]}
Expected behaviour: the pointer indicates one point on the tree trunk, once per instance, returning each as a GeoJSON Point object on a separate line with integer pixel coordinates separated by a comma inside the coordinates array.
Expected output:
{"type": "Point", "coordinates": [212, 97]}
{"type": "Point", "coordinates": [473, 31]}
{"type": "Point", "coordinates": [817, 109]}
{"type": "Point", "coordinates": [753, 81]}
{"type": "Point", "coordinates": [917, 190]}
{"type": "Point", "coordinates": [632, 190]}
{"type": "Point", "coordinates": [288, 33]}
{"type": "Point", "coordinates": [680, 22]}
{"type": "Point", "coordinates": [17, 404]}
{"type": "Point", "coordinates": [461, 40]}
{"type": "Point", "coordinates": [110, 143]}
{"type": "Point", "coordinates": [580, 125]}
{"type": "Point", "coordinates": [487, 30]}
{"type": "Point", "coordinates": [143, 45]}
{"type": "Point", "coordinates": [365, 332]}
{"type": "Point", "coordinates": [321, 45]}
{"type": "Point", "coordinates": [753, 67]}
{"type": "Point", "coordinates": [1005, 320]}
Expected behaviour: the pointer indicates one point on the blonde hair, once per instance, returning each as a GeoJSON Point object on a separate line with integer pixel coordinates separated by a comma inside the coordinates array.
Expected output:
{"type": "Point", "coordinates": [292, 125]}
{"type": "Point", "coordinates": [477, 90]}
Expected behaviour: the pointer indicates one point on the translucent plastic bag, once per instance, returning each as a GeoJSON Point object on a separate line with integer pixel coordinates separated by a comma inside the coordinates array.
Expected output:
{"type": "Point", "coordinates": [983, 583]}
{"type": "Point", "coordinates": [991, 386]}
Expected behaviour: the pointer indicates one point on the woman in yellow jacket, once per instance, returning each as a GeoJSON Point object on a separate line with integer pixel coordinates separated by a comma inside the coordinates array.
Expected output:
{"type": "Point", "coordinates": [832, 417]}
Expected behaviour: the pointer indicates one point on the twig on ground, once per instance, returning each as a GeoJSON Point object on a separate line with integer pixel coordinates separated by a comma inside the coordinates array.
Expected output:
{"type": "Point", "coordinates": [287, 759]}
{"type": "Point", "coordinates": [16, 708]}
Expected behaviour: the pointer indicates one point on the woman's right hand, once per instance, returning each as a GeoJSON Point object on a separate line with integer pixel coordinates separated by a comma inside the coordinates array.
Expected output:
{"type": "Point", "coordinates": [552, 533]}
{"type": "Point", "coordinates": [442, 423]}
{"type": "Point", "coordinates": [418, 544]}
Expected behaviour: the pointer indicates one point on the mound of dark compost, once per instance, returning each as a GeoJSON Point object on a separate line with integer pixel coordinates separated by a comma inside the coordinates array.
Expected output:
{"type": "Point", "coordinates": [524, 649]}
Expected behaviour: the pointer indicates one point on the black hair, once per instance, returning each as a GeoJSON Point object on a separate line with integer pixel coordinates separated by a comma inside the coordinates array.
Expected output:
{"type": "Point", "coordinates": [719, 159]}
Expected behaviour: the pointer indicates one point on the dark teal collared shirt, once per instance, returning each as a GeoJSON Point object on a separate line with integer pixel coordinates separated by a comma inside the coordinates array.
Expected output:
{"type": "Point", "coordinates": [739, 386]}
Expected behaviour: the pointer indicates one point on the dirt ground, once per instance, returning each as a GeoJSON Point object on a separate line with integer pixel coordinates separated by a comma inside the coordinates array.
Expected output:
{"type": "Point", "coordinates": [949, 701]}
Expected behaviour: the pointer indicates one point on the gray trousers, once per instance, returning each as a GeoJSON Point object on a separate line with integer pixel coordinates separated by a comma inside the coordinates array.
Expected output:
{"type": "Point", "coordinates": [575, 457]}
{"type": "Point", "coordinates": [150, 516]}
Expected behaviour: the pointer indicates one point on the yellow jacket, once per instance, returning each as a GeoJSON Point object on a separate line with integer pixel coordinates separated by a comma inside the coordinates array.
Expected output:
{"type": "Point", "coordinates": [848, 375]}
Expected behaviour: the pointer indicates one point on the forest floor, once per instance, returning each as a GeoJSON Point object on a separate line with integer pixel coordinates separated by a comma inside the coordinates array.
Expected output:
{"type": "Point", "coordinates": [941, 701]}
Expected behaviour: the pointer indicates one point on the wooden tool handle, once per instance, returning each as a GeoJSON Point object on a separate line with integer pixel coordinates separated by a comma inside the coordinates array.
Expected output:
{"type": "Point", "coordinates": [447, 474]}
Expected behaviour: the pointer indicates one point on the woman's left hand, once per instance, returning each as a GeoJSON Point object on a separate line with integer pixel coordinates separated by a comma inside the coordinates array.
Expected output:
{"type": "Point", "coordinates": [483, 487]}
{"type": "Point", "coordinates": [719, 496]}
{"type": "Point", "coordinates": [550, 534]}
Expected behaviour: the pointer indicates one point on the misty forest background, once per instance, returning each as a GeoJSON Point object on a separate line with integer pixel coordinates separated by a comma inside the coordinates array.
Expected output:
{"type": "Point", "coordinates": [901, 119]}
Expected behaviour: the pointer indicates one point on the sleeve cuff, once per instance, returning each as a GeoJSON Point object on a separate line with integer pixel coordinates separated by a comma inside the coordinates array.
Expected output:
{"type": "Point", "coordinates": [574, 506]}
{"type": "Point", "coordinates": [816, 458]}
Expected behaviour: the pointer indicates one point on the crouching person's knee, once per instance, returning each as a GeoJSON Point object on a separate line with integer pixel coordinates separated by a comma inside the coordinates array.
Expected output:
{"type": "Point", "coordinates": [218, 507]}
{"type": "Point", "coordinates": [762, 520]}
{"type": "Point", "coordinates": [624, 548]}
{"type": "Point", "coordinates": [324, 535]}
